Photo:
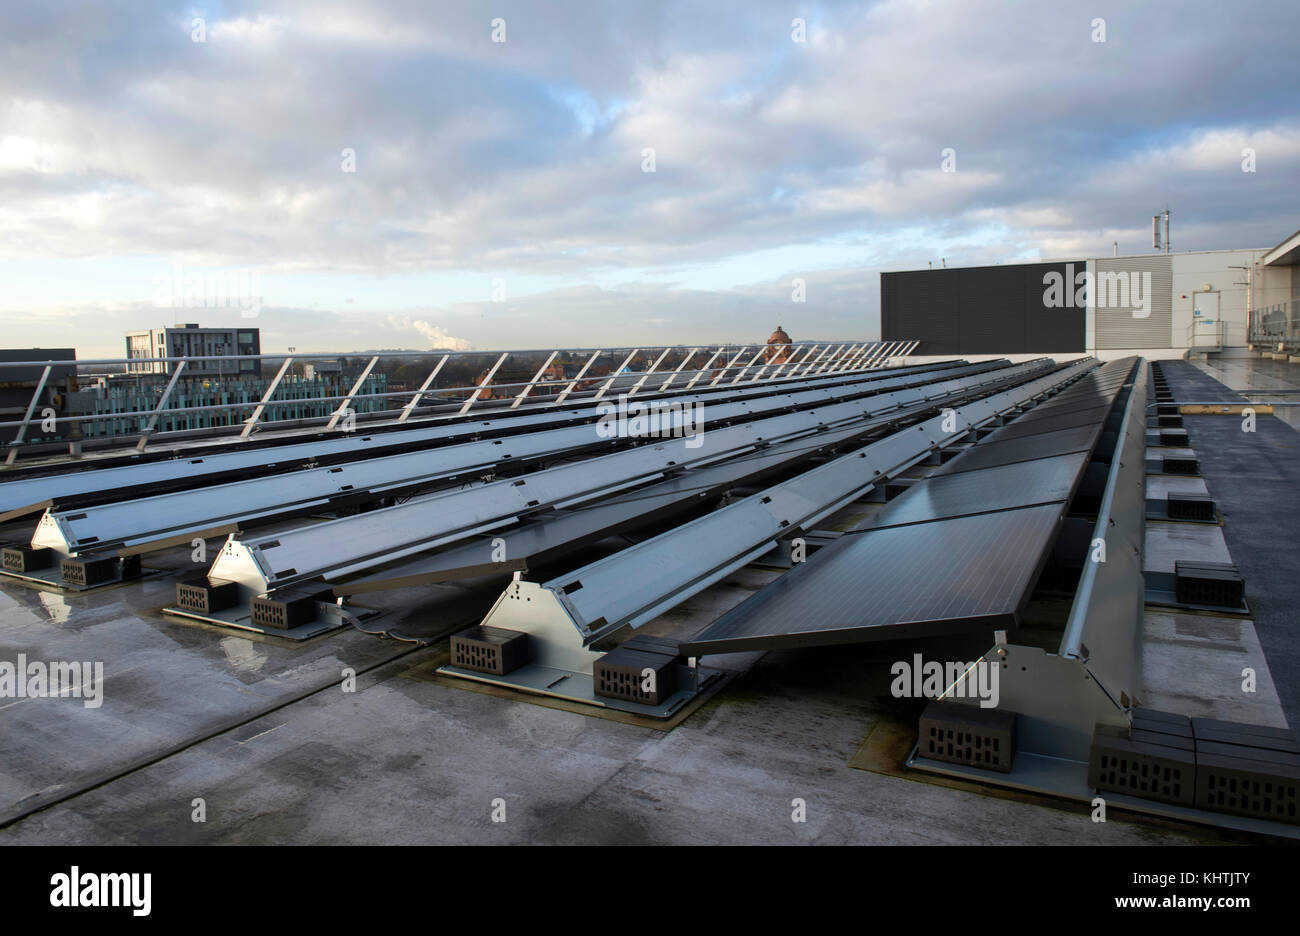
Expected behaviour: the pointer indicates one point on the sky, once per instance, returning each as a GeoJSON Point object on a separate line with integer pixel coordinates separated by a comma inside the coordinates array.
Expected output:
{"type": "Point", "coordinates": [492, 174]}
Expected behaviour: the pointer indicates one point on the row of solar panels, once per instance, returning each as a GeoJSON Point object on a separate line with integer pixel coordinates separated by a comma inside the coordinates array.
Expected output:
{"type": "Point", "coordinates": [959, 550]}
{"type": "Point", "coordinates": [105, 479]}
{"type": "Point", "coordinates": [129, 525]}
{"type": "Point", "coordinates": [634, 585]}
{"type": "Point", "coordinates": [885, 421]}
{"type": "Point", "coordinates": [352, 545]}
{"type": "Point", "coordinates": [537, 539]}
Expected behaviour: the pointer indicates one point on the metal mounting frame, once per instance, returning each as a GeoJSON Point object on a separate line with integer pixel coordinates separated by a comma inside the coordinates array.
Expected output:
{"type": "Point", "coordinates": [147, 523]}
{"type": "Point", "coordinates": [31, 493]}
{"type": "Point", "coordinates": [561, 666]}
{"type": "Point", "coordinates": [17, 444]}
{"type": "Point", "coordinates": [608, 595]}
{"type": "Point", "coordinates": [550, 534]}
{"type": "Point", "coordinates": [636, 584]}
{"type": "Point", "coordinates": [1093, 676]}
{"type": "Point", "coordinates": [350, 545]}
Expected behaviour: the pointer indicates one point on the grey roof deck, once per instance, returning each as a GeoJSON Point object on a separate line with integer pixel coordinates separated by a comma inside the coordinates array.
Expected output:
{"type": "Point", "coordinates": [260, 728]}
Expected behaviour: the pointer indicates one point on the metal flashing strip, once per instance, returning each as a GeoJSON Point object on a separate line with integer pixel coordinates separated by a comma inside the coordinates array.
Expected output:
{"type": "Point", "coordinates": [559, 683]}
{"type": "Point", "coordinates": [350, 545]}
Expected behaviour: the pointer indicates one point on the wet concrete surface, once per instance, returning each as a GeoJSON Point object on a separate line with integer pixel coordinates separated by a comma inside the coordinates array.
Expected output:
{"type": "Point", "coordinates": [407, 760]}
{"type": "Point", "coordinates": [1254, 478]}
{"type": "Point", "coordinates": [1260, 379]}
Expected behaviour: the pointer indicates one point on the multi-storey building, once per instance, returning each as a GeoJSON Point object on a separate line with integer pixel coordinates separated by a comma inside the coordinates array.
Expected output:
{"type": "Point", "coordinates": [191, 340]}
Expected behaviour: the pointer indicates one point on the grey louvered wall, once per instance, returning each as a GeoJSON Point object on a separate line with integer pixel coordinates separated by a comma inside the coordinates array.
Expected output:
{"type": "Point", "coordinates": [1116, 326]}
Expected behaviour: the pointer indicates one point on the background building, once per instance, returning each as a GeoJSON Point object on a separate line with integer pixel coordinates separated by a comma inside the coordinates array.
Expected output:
{"type": "Point", "coordinates": [18, 385]}
{"type": "Point", "coordinates": [123, 403]}
{"type": "Point", "coordinates": [313, 369]}
{"type": "Point", "coordinates": [1275, 315]}
{"type": "Point", "coordinates": [1104, 305]}
{"type": "Point", "coordinates": [778, 347]}
{"type": "Point", "coordinates": [194, 341]}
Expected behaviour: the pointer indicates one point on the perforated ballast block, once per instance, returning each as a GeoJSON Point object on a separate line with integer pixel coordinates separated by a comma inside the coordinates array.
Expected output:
{"type": "Point", "coordinates": [967, 734]}
{"type": "Point", "coordinates": [1208, 583]}
{"type": "Point", "coordinates": [204, 596]}
{"type": "Point", "coordinates": [635, 676]}
{"type": "Point", "coordinates": [20, 558]}
{"type": "Point", "coordinates": [1143, 763]}
{"type": "Point", "coordinates": [493, 650]}
{"type": "Point", "coordinates": [287, 608]}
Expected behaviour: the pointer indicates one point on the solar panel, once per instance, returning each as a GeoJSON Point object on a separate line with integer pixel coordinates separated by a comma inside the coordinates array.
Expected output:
{"type": "Point", "coordinates": [1003, 487]}
{"type": "Point", "coordinates": [960, 550]}
{"type": "Point", "coordinates": [991, 452]}
{"type": "Point", "coordinates": [924, 579]}
{"type": "Point", "coordinates": [1046, 412]}
{"type": "Point", "coordinates": [1051, 422]}
{"type": "Point", "coordinates": [1044, 426]}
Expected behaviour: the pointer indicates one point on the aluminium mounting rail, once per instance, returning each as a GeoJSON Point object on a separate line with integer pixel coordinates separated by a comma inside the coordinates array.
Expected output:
{"type": "Point", "coordinates": [544, 539]}
{"type": "Point", "coordinates": [633, 586]}
{"type": "Point", "coordinates": [544, 407]}
{"type": "Point", "coordinates": [143, 524]}
{"type": "Point", "coordinates": [1095, 673]}
{"type": "Point", "coordinates": [350, 545]}
{"type": "Point", "coordinates": [34, 490]}
{"type": "Point", "coordinates": [958, 552]}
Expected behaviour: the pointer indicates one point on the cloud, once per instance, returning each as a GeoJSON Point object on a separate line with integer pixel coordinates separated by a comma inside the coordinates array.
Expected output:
{"type": "Point", "coordinates": [123, 139]}
{"type": "Point", "coordinates": [439, 339]}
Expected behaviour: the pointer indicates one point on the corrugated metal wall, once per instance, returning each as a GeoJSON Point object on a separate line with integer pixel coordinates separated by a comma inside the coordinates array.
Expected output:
{"type": "Point", "coordinates": [979, 310]}
{"type": "Point", "coordinates": [1112, 296]}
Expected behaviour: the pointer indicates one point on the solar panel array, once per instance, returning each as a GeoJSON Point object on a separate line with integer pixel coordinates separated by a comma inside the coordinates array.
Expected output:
{"type": "Point", "coordinates": [958, 551]}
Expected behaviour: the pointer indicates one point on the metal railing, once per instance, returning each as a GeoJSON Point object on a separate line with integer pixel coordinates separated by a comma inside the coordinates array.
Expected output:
{"type": "Point", "coordinates": [637, 369]}
{"type": "Point", "coordinates": [1205, 336]}
{"type": "Point", "coordinates": [1276, 324]}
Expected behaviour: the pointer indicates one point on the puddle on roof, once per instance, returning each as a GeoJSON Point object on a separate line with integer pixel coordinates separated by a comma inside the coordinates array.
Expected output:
{"type": "Point", "coordinates": [54, 606]}
{"type": "Point", "coordinates": [243, 654]}
{"type": "Point", "coordinates": [32, 606]}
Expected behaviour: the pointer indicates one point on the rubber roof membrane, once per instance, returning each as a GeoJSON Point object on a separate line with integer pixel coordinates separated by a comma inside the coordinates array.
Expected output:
{"type": "Point", "coordinates": [958, 551]}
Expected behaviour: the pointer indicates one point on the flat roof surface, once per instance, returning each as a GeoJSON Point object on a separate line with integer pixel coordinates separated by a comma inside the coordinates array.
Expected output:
{"type": "Point", "coordinates": [261, 729]}
{"type": "Point", "coordinates": [409, 759]}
